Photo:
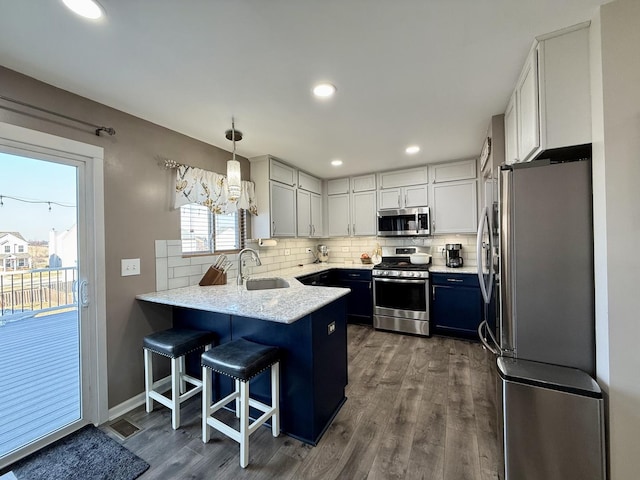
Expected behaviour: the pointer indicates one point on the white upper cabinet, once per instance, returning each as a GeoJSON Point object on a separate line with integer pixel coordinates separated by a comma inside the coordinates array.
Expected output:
{"type": "Point", "coordinates": [351, 213]}
{"type": "Point", "coordinates": [276, 198]}
{"type": "Point", "coordinates": [451, 171]}
{"type": "Point", "coordinates": [454, 207]}
{"type": "Point", "coordinates": [279, 172]}
{"type": "Point", "coordinates": [283, 210]}
{"type": "Point", "coordinates": [339, 186]}
{"type": "Point", "coordinates": [309, 207]}
{"type": "Point", "coordinates": [511, 132]}
{"type": "Point", "coordinates": [405, 197]}
{"type": "Point", "coordinates": [309, 183]}
{"type": "Point", "coordinates": [551, 104]}
{"type": "Point", "coordinates": [363, 183]}
{"type": "Point", "coordinates": [339, 218]}
{"type": "Point", "coordinates": [363, 213]}
{"type": "Point", "coordinates": [403, 178]}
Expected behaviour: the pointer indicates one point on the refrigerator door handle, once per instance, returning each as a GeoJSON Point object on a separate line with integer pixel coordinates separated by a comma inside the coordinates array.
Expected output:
{"type": "Point", "coordinates": [495, 348]}
{"type": "Point", "coordinates": [486, 285]}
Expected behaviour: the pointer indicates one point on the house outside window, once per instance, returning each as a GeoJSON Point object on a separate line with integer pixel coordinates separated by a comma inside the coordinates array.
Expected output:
{"type": "Point", "coordinates": [7, 249]}
{"type": "Point", "coordinates": [22, 262]}
{"type": "Point", "coordinates": [203, 232]}
{"type": "Point", "coordinates": [20, 248]}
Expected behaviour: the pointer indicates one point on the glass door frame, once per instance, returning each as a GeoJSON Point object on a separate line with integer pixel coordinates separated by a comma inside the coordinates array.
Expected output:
{"type": "Point", "coordinates": [89, 160]}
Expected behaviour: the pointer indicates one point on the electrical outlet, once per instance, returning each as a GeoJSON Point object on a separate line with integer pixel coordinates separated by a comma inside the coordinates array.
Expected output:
{"type": "Point", "coordinates": [130, 266]}
{"type": "Point", "coordinates": [308, 250]}
{"type": "Point", "coordinates": [287, 251]}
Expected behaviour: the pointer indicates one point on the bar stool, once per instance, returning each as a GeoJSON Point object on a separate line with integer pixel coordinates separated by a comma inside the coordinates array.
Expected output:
{"type": "Point", "coordinates": [241, 360]}
{"type": "Point", "coordinates": [174, 343]}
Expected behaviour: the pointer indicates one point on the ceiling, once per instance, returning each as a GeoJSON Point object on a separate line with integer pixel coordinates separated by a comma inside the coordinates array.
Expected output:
{"type": "Point", "coordinates": [423, 72]}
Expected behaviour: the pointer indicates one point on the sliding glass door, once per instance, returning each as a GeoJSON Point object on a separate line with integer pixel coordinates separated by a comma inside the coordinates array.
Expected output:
{"type": "Point", "coordinates": [48, 328]}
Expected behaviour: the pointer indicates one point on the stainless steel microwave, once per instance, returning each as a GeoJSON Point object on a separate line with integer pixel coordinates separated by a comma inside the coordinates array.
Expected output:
{"type": "Point", "coordinates": [404, 222]}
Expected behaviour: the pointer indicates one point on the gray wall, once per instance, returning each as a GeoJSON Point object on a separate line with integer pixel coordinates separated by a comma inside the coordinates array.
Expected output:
{"type": "Point", "coordinates": [137, 210]}
{"type": "Point", "coordinates": [617, 225]}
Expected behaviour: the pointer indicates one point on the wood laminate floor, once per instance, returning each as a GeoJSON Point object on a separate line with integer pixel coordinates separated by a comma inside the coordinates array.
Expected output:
{"type": "Point", "coordinates": [417, 408]}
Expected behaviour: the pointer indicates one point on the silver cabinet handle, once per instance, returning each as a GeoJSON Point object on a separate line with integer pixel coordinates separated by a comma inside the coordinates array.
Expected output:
{"type": "Point", "coordinates": [433, 292]}
{"type": "Point", "coordinates": [354, 228]}
{"type": "Point", "coordinates": [348, 229]}
{"type": "Point", "coordinates": [454, 280]}
{"type": "Point", "coordinates": [274, 227]}
{"type": "Point", "coordinates": [310, 229]}
{"type": "Point", "coordinates": [405, 199]}
{"type": "Point", "coordinates": [398, 200]}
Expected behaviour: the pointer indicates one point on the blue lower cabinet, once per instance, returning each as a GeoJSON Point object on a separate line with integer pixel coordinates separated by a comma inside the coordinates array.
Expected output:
{"type": "Point", "coordinates": [313, 369]}
{"type": "Point", "coordinates": [360, 300]}
{"type": "Point", "coordinates": [456, 304]}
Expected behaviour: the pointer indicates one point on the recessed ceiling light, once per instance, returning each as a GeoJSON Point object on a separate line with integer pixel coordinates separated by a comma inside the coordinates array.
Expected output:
{"type": "Point", "coordinates": [413, 149]}
{"type": "Point", "coordinates": [85, 8]}
{"type": "Point", "coordinates": [324, 90]}
{"type": "Point", "coordinates": [336, 163]}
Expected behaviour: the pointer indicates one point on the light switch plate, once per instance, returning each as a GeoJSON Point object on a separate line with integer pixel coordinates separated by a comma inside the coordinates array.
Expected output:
{"type": "Point", "coordinates": [130, 266]}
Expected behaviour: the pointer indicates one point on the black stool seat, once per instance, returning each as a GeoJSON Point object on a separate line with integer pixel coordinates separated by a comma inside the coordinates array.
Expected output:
{"type": "Point", "coordinates": [240, 359]}
{"type": "Point", "coordinates": [177, 342]}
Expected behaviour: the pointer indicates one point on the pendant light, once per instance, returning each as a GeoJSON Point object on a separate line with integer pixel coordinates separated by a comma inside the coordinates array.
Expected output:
{"type": "Point", "coordinates": [233, 165]}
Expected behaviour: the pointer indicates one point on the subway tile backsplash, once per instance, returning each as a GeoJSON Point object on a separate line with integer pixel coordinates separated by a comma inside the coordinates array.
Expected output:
{"type": "Point", "coordinates": [174, 271]}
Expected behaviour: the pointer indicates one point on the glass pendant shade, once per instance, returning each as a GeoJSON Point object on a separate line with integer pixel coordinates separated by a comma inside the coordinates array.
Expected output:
{"type": "Point", "coordinates": [233, 179]}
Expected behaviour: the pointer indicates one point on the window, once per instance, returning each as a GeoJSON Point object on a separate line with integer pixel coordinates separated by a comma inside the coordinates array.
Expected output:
{"type": "Point", "coordinates": [7, 249]}
{"type": "Point", "coordinates": [204, 232]}
{"type": "Point", "coordinates": [21, 263]}
{"type": "Point", "coordinates": [20, 248]}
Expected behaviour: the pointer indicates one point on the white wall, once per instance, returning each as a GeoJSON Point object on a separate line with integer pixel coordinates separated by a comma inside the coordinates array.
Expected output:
{"type": "Point", "coordinates": [617, 227]}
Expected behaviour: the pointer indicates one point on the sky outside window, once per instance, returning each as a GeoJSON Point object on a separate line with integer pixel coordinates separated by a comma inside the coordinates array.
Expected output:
{"type": "Point", "coordinates": [36, 180]}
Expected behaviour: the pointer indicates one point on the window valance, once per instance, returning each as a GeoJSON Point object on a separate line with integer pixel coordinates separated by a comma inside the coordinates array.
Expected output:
{"type": "Point", "coordinates": [194, 185]}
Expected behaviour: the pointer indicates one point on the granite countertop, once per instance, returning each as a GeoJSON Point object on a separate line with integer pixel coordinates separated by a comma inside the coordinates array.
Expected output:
{"type": "Point", "coordinates": [284, 305]}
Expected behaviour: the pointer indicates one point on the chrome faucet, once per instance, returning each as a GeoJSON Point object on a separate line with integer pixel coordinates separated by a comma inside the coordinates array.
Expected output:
{"type": "Point", "coordinates": [256, 258]}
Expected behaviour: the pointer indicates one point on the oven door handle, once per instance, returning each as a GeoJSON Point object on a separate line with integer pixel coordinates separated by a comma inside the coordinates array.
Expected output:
{"type": "Point", "coordinates": [399, 280]}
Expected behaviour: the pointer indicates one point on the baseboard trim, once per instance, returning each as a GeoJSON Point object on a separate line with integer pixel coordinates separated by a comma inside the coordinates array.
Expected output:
{"type": "Point", "coordinates": [164, 385]}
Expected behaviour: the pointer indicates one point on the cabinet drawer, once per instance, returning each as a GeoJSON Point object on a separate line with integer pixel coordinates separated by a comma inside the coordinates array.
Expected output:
{"type": "Point", "coordinates": [455, 279]}
{"type": "Point", "coordinates": [354, 274]}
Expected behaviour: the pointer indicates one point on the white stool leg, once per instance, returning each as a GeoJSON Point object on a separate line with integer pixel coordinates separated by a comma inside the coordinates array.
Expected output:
{"type": "Point", "coordinates": [183, 370]}
{"type": "Point", "coordinates": [206, 403]}
{"type": "Point", "coordinates": [175, 393]}
{"type": "Point", "coordinates": [275, 399]}
{"type": "Point", "coordinates": [244, 424]}
{"type": "Point", "coordinates": [237, 399]}
{"type": "Point", "coordinates": [148, 379]}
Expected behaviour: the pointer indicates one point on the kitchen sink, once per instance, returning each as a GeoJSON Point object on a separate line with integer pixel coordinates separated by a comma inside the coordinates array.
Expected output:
{"type": "Point", "coordinates": [266, 283]}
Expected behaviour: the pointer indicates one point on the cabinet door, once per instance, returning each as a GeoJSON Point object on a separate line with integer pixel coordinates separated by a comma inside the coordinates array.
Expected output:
{"type": "Point", "coordinates": [402, 178]}
{"type": "Point", "coordinates": [528, 110]}
{"type": "Point", "coordinates": [309, 183]}
{"type": "Point", "coordinates": [283, 210]}
{"type": "Point", "coordinates": [317, 226]}
{"type": "Point", "coordinates": [454, 208]}
{"type": "Point", "coordinates": [359, 302]}
{"type": "Point", "coordinates": [304, 214]}
{"type": "Point", "coordinates": [339, 186]}
{"type": "Point", "coordinates": [452, 171]}
{"type": "Point", "coordinates": [339, 222]}
{"type": "Point", "coordinates": [511, 132]}
{"type": "Point", "coordinates": [363, 183]}
{"type": "Point", "coordinates": [364, 213]}
{"type": "Point", "coordinates": [415, 196]}
{"type": "Point", "coordinates": [389, 198]}
{"type": "Point", "coordinates": [282, 173]}
{"type": "Point", "coordinates": [456, 310]}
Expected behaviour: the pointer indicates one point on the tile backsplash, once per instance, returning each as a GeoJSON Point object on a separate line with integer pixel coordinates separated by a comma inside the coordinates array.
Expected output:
{"type": "Point", "coordinates": [173, 270]}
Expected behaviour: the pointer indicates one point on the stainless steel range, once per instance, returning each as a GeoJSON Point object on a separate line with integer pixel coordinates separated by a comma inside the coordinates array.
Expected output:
{"type": "Point", "coordinates": [401, 292]}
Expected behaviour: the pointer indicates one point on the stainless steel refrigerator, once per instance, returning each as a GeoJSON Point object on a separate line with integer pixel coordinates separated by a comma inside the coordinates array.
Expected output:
{"type": "Point", "coordinates": [546, 305]}
{"type": "Point", "coordinates": [546, 264]}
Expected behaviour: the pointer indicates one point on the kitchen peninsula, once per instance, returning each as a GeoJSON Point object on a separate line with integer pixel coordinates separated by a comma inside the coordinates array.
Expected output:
{"type": "Point", "coordinates": [307, 323]}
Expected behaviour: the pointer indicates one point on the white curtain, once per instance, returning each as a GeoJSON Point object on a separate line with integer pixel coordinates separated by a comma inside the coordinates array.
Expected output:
{"type": "Point", "coordinates": [194, 185]}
